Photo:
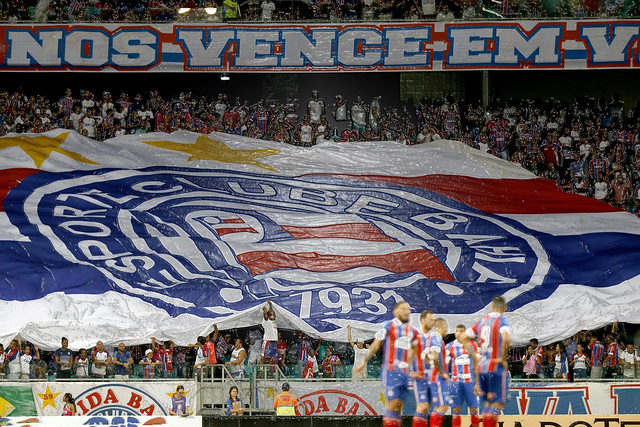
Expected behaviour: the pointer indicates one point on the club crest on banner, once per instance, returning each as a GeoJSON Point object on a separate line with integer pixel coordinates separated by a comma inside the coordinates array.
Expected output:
{"type": "Point", "coordinates": [211, 242]}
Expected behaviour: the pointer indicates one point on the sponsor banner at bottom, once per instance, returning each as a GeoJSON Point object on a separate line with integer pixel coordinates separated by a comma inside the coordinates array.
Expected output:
{"type": "Point", "coordinates": [129, 421]}
{"type": "Point", "coordinates": [332, 398]}
{"type": "Point", "coordinates": [564, 421]}
{"type": "Point", "coordinates": [135, 398]}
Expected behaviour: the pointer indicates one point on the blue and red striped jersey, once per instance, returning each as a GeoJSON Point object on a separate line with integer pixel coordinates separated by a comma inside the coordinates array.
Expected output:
{"type": "Point", "coordinates": [398, 339]}
{"type": "Point", "coordinates": [489, 329]}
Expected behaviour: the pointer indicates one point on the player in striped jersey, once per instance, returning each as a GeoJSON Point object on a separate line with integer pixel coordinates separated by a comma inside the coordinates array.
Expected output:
{"type": "Point", "coordinates": [494, 332]}
{"type": "Point", "coordinates": [439, 378]}
{"type": "Point", "coordinates": [464, 378]}
{"type": "Point", "coordinates": [400, 341]}
{"type": "Point", "coordinates": [420, 373]}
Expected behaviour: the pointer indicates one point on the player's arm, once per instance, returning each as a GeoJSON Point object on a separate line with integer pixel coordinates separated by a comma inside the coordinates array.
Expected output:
{"type": "Point", "coordinates": [373, 349]}
{"type": "Point", "coordinates": [475, 359]}
{"type": "Point", "coordinates": [435, 358]}
{"type": "Point", "coordinates": [36, 355]}
{"type": "Point", "coordinates": [506, 342]}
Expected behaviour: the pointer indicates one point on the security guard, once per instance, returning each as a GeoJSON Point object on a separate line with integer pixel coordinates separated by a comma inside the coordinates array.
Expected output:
{"type": "Point", "coordinates": [285, 403]}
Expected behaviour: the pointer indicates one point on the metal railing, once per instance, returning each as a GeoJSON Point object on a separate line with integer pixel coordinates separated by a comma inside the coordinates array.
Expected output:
{"type": "Point", "coordinates": [215, 382]}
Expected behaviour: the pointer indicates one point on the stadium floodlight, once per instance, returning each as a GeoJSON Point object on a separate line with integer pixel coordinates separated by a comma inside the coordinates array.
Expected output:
{"type": "Point", "coordinates": [211, 10]}
{"type": "Point", "coordinates": [183, 10]}
{"type": "Point", "coordinates": [225, 77]}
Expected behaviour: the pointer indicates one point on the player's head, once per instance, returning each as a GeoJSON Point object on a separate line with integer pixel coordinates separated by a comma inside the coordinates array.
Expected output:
{"type": "Point", "coordinates": [83, 352]}
{"type": "Point", "coordinates": [121, 347]}
{"type": "Point", "coordinates": [427, 317]}
{"type": "Point", "coordinates": [64, 342]}
{"type": "Point", "coordinates": [285, 386]}
{"type": "Point", "coordinates": [459, 330]}
{"type": "Point", "coordinates": [499, 304]}
{"type": "Point", "coordinates": [402, 311]}
{"type": "Point", "coordinates": [180, 390]}
{"type": "Point", "coordinates": [26, 349]}
{"type": "Point", "coordinates": [579, 348]}
{"type": "Point", "coordinates": [534, 342]}
{"type": "Point", "coordinates": [441, 326]}
{"type": "Point", "coordinates": [201, 340]}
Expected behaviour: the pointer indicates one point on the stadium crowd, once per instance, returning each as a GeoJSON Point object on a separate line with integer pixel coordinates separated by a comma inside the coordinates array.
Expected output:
{"type": "Point", "coordinates": [603, 353]}
{"type": "Point", "coordinates": [589, 147]}
{"type": "Point", "coordinates": [315, 10]}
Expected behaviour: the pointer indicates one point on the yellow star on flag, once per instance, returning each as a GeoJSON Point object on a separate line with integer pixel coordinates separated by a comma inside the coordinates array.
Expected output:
{"type": "Point", "coordinates": [48, 398]}
{"type": "Point", "coordinates": [5, 407]}
{"type": "Point", "coordinates": [39, 148]}
{"type": "Point", "coordinates": [271, 392]}
{"type": "Point", "coordinates": [382, 399]}
{"type": "Point", "coordinates": [206, 148]}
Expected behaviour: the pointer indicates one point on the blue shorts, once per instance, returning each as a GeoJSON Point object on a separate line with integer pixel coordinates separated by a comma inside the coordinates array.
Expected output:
{"type": "Point", "coordinates": [463, 392]}
{"type": "Point", "coordinates": [440, 393]}
{"type": "Point", "coordinates": [494, 386]}
{"type": "Point", "coordinates": [270, 349]}
{"type": "Point", "coordinates": [396, 384]}
{"type": "Point", "coordinates": [422, 391]}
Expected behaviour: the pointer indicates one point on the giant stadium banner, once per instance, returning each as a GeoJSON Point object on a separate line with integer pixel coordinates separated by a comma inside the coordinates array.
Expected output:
{"type": "Point", "coordinates": [399, 46]}
{"type": "Point", "coordinates": [162, 235]}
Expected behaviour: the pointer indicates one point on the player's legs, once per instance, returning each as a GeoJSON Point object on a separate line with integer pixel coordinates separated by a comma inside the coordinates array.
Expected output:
{"type": "Point", "coordinates": [494, 385]}
{"type": "Point", "coordinates": [470, 396]}
{"type": "Point", "coordinates": [396, 386]}
{"type": "Point", "coordinates": [440, 401]}
{"type": "Point", "coordinates": [422, 395]}
{"type": "Point", "coordinates": [455, 391]}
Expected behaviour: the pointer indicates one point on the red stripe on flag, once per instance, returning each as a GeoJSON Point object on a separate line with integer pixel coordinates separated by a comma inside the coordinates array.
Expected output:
{"type": "Point", "coordinates": [419, 260]}
{"type": "Point", "coordinates": [499, 196]}
{"type": "Point", "coordinates": [9, 178]}
{"type": "Point", "coordinates": [223, 231]}
{"type": "Point", "coordinates": [233, 221]}
{"type": "Point", "coordinates": [357, 231]}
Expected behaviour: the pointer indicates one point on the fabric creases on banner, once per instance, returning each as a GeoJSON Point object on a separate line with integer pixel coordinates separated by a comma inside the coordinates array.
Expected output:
{"type": "Point", "coordinates": [414, 46]}
{"type": "Point", "coordinates": [163, 235]}
{"type": "Point", "coordinates": [111, 398]}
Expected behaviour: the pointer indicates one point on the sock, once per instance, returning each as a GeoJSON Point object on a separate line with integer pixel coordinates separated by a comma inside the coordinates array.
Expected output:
{"type": "Point", "coordinates": [436, 419]}
{"type": "Point", "coordinates": [420, 420]}
{"type": "Point", "coordinates": [475, 420]}
{"type": "Point", "coordinates": [456, 421]}
{"type": "Point", "coordinates": [490, 417]}
{"type": "Point", "coordinates": [391, 419]}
